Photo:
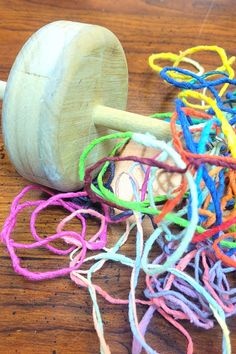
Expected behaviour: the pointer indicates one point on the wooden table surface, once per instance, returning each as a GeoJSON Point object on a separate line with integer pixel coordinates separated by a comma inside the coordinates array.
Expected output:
{"type": "Point", "coordinates": [55, 317]}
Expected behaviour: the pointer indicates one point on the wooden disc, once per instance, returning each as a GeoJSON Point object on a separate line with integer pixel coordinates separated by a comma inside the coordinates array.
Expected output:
{"type": "Point", "coordinates": [63, 71]}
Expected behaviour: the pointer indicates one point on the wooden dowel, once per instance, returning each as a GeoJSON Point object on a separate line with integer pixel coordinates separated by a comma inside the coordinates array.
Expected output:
{"type": "Point", "coordinates": [3, 85]}
{"type": "Point", "coordinates": [126, 121]}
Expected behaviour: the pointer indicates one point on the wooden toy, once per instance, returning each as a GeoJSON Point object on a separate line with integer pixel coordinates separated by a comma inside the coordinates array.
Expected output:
{"type": "Point", "coordinates": [68, 85]}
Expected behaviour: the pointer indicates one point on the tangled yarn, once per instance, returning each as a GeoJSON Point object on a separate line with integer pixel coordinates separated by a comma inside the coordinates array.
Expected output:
{"type": "Point", "coordinates": [192, 224]}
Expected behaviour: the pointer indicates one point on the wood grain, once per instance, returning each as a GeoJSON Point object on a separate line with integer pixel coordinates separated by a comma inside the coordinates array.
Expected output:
{"type": "Point", "coordinates": [54, 317]}
{"type": "Point", "coordinates": [61, 74]}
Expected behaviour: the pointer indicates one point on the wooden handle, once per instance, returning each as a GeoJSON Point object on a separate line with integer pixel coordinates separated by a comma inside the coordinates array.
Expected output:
{"type": "Point", "coordinates": [3, 85]}
{"type": "Point", "coordinates": [125, 121]}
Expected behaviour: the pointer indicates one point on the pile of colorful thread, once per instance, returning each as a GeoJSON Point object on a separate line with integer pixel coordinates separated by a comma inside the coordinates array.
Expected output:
{"type": "Point", "coordinates": [193, 223]}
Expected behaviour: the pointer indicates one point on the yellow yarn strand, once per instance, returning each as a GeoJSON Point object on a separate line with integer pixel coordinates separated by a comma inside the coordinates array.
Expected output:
{"type": "Point", "coordinates": [174, 58]}
{"type": "Point", "coordinates": [226, 127]}
{"type": "Point", "coordinates": [182, 56]}
{"type": "Point", "coordinates": [225, 329]}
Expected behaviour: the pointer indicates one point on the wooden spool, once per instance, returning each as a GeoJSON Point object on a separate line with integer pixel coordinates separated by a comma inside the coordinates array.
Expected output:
{"type": "Point", "coordinates": [68, 86]}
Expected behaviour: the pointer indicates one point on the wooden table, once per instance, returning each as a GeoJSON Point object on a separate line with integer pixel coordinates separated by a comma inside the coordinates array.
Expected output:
{"type": "Point", "coordinates": [54, 317]}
